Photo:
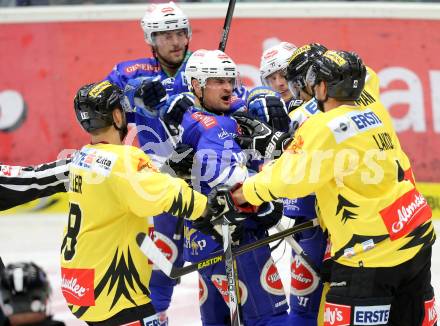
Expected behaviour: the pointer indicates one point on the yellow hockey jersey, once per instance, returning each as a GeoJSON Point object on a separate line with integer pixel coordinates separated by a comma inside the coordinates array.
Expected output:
{"type": "Point", "coordinates": [113, 191]}
{"type": "Point", "coordinates": [352, 159]}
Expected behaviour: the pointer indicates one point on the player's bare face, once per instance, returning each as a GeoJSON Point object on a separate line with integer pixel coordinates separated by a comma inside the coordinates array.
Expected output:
{"type": "Point", "coordinates": [217, 94]}
{"type": "Point", "coordinates": [278, 82]}
{"type": "Point", "coordinates": [170, 46]}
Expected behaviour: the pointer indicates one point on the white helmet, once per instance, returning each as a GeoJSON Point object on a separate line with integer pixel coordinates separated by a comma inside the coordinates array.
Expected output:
{"type": "Point", "coordinates": [274, 59]}
{"type": "Point", "coordinates": [204, 64]}
{"type": "Point", "coordinates": [164, 17]}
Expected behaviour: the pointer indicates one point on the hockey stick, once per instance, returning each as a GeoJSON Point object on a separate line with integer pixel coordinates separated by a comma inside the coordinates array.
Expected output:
{"type": "Point", "coordinates": [231, 274]}
{"type": "Point", "coordinates": [299, 251]}
{"type": "Point", "coordinates": [227, 25]}
{"type": "Point", "coordinates": [153, 253]}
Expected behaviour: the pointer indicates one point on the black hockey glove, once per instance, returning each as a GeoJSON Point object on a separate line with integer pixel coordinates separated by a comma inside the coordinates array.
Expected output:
{"type": "Point", "coordinates": [151, 93]}
{"type": "Point", "coordinates": [271, 110]}
{"type": "Point", "coordinates": [204, 225]}
{"type": "Point", "coordinates": [221, 205]}
{"type": "Point", "coordinates": [257, 136]}
{"type": "Point", "coordinates": [172, 113]}
{"type": "Point", "coordinates": [181, 161]}
{"type": "Point", "coordinates": [269, 214]}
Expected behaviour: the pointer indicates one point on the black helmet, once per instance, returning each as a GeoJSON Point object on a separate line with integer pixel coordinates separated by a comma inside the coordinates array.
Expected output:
{"type": "Point", "coordinates": [344, 73]}
{"type": "Point", "coordinates": [24, 287]}
{"type": "Point", "coordinates": [94, 104]}
{"type": "Point", "coordinates": [301, 60]}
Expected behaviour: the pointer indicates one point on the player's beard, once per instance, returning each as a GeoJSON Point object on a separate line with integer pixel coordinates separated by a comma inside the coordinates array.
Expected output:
{"type": "Point", "coordinates": [168, 63]}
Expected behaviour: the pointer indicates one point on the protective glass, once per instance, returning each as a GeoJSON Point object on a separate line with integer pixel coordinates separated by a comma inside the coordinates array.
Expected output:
{"type": "Point", "coordinates": [311, 76]}
{"type": "Point", "coordinates": [295, 86]}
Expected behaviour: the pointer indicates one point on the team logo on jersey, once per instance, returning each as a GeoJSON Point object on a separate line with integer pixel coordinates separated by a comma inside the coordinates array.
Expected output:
{"type": "Point", "coordinates": [203, 291]}
{"type": "Point", "coordinates": [146, 164]}
{"type": "Point", "coordinates": [290, 206]}
{"type": "Point", "coordinates": [371, 315]}
{"type": "Point", "coordinates": [336, 315]}
{"type": "Point", "coordinates": [168, 83]}
{"type": "Point", "coordinates": [302, 279]}
{"type": "Point", "coordinates": [270, 278]}
{"type": "Point", "coordinates": [166, 245]}
{"type": "Point", "coordinates": [405, 214]}
{"type": "Point", "coordinates": [221, 283]}
{"type": "Point", "coordinates": [193, 242]}
{"type": "Point", "coordinates": [77, 286]}
{"type": "Point", "coordinates": [431, 315]}
{"type": "Point", "coordinates": [296, 146]}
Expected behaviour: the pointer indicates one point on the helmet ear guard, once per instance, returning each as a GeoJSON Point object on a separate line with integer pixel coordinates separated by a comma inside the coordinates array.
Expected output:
{"type": "Point", "coordinates": [94, 105]}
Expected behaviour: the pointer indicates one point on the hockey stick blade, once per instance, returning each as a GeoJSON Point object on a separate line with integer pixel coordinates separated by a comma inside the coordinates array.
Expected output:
{"type": "Point", "coordinates": [153, 253]}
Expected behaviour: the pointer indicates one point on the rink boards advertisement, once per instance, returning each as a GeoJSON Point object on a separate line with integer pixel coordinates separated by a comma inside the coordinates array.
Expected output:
{"type": "Point", "coordinates": [44, 63]}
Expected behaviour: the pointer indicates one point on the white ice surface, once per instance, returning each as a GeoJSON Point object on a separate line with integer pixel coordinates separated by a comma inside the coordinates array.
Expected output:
{"type": "Point", "coordinates": [37, 238]}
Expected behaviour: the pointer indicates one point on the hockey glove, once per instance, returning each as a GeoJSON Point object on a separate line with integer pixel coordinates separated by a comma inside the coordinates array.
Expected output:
{"type": "Point", "coordinates": [144, 95]}
{"type": "Point", "coordinates": [271, 110]}
{"type": "Point", "coordinates": [180, 162]}
{"type": "Point", "coordinates": [204, 225]}
{"type": "Point", "coordinates": [150, 95]}
{"type": "Point", "coordinates": [174, 109]}
{"type": "Point", "coordinates": [257, 136]}
{"type": "Point", "coordinates": [221, 205]}
{"type": "Point", "coordinates": [269, 214]}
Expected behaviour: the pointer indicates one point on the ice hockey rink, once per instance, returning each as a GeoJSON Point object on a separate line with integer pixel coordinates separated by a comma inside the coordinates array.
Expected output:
{"type": "Point", "coordinates": [37, 238]}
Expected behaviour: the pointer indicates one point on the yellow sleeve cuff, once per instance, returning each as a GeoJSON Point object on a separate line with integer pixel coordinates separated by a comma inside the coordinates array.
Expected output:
{"type": "Point", "coordinates": [250, 193]}
{"type": "Point", "coordinates": [200, 203]}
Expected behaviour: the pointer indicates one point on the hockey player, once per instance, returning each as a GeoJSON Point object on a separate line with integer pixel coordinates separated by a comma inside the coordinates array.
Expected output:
{"type": "Point", "coordinates": [379, 224]}
{"type": "Point", "coordinates": [272, 73]}
{"type": "Point", "coordinates": [273, 66]}
{"type": "Point", "coordinates": [167, 30]}
{"type": "Point", "coordinates": [305, 289]}
{"type": "Point", "coordinates": [105, 276]}
{"type": "Point", "coordinates": [24, 293]}
{"type": "Point", "coordinates": [218, 159]}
